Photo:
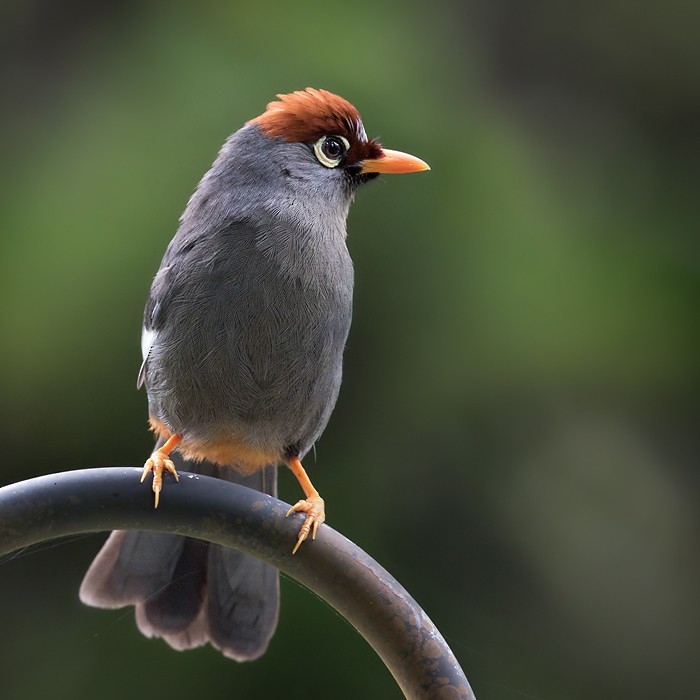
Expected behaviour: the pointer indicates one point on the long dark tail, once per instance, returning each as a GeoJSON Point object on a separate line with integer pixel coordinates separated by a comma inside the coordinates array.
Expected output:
{"type": "Point", "coordinates": [190, 592]}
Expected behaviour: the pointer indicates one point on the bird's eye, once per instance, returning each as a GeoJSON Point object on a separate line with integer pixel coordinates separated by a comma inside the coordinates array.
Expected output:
{"type": "Point", "coordinates": [330, 150]}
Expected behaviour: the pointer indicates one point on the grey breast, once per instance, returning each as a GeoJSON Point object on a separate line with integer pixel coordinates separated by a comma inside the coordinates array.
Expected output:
{"type": "Point", "coordinates": [249, 315]}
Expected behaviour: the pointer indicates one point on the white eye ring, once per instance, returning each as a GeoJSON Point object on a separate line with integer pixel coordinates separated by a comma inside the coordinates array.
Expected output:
{"type": "Point", "coordinates": [326, 160]}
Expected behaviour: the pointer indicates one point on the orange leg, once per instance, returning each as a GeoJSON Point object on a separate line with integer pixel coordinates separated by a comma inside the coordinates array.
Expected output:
{"type": "Point", "coordinates": [159, 461]}
{"type": "Point", "coordinates": [313, 505]}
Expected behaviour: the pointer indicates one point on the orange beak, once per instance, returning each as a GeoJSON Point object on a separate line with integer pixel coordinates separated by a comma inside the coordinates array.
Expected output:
{"type": "Point", "coordinates": [393, 162]}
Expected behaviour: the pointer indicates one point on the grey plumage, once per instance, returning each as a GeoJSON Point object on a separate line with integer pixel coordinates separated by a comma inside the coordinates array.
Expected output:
{"type": "Point", "coordinates": [243, 340]}
{"type": "Point", "coordinates": [251, 307]}
{"type": "Point", "coordinates": [245, 327]}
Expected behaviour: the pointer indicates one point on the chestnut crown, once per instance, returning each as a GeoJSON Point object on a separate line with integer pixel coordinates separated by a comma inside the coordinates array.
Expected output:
{"type": "Point", "coordinates": [319, 117]}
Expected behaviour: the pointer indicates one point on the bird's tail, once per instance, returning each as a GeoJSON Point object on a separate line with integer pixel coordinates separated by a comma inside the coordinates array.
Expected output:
{"type": "Point", "coordinates": [187, 591]}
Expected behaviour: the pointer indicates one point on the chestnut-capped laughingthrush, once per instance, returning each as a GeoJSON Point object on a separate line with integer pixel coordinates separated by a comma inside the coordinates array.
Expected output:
{"type": "Point", "coordinates": [243, 339]}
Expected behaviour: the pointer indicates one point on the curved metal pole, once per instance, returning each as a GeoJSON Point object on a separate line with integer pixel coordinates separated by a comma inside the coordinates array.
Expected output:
{"type": "Point", "coordinates": [338, 571]}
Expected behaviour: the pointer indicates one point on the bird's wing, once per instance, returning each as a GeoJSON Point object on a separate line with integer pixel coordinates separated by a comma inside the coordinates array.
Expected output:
{"type": "Point", "coordinates": [154, 314]}
{"type": "Point", "coordinates": [191, 255]}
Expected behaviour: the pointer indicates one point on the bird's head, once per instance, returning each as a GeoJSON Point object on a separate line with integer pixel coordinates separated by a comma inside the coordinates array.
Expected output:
{"type": "Point", "coordinates": [330, 131]}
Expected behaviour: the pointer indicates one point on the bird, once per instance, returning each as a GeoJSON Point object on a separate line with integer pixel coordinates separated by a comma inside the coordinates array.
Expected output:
{"type": "Point", "coordinates": [242, 347]}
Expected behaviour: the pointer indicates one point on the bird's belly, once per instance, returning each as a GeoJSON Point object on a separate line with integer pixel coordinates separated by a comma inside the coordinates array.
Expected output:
{"type": "Point", "coordinates": [249, 390]}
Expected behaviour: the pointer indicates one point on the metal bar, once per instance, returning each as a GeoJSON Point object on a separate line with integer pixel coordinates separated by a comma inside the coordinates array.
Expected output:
{"type": "Point", "coordinates": [334, 568]}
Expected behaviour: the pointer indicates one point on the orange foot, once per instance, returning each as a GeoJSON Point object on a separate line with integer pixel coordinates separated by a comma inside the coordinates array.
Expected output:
{"type": "Point", "coordinates": [158, 462]}
{"type": "Point", "coordinates": [315, 510]}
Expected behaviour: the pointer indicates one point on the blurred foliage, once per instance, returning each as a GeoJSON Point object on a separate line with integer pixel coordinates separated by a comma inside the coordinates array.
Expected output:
{"type": "Point", "coordinates": [518, 420]}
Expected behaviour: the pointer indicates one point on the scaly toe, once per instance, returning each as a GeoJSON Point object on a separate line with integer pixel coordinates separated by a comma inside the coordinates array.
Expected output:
{"type": "Point", "coordinates": [158, 463]}
{"type": "Point", "coordinates": [298, 506]}
{"type": "Point", "coordinates": [315, 510]}
{"type": "Point", "coordinates": [146, 468]}
{"type": "Point", "coordinates": [170, 467]}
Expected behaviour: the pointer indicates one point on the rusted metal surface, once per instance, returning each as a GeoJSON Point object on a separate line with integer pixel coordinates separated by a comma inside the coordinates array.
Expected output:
{"type": "Point", "coordinates": [334, 568]}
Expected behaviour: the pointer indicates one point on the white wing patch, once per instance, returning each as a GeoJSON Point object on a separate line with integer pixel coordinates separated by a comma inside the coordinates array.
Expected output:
{"type": "Point", "coordinates": [148, 337]}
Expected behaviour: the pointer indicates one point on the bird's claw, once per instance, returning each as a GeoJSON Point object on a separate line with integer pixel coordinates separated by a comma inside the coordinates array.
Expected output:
{"type": "Point", "coordinates": [157, 463]}
{"type": "Point", "coordinates": [315, 510]}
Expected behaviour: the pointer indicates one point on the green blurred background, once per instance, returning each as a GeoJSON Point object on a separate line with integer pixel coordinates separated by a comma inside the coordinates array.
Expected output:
{"type": "Point", "coordinates": [519, 409]}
